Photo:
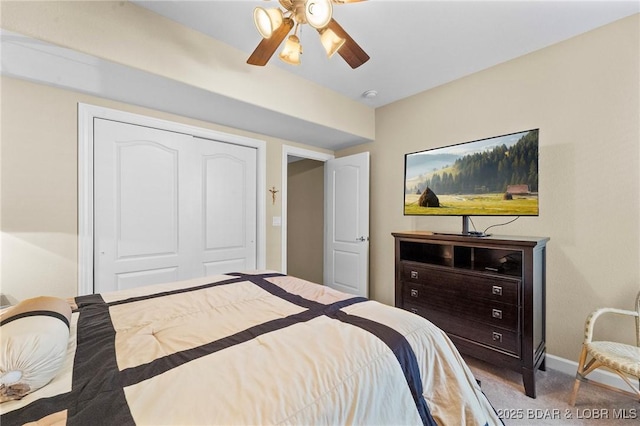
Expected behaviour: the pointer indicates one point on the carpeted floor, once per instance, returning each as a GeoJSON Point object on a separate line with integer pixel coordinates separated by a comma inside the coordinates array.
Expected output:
{"type": "Point", "coordinates": [594, 406]}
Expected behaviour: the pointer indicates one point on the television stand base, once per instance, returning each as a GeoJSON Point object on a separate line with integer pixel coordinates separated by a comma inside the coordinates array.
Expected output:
{"type": "Point", "coordinates": [474, 234]}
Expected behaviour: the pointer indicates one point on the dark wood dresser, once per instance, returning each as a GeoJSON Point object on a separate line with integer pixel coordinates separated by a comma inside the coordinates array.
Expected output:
{"type": "Point", "coordinates": [486, 293]}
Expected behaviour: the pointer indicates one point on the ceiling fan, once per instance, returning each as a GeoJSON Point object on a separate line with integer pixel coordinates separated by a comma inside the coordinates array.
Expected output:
{"type": "Point", "coordinates": [274, 24]}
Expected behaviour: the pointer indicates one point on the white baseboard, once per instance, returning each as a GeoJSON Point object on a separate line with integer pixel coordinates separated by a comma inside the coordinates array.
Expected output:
{"type": "Point", "coordinates": [570, 367]}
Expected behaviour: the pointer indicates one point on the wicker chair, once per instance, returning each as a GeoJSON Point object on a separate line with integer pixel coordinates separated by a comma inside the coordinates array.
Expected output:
{"type": "Point", "coordinates": [622, 359]}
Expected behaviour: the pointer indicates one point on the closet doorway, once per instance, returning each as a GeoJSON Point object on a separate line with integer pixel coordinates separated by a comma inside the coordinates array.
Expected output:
{"type": "Point", "coordinates": [169, 206]}
{"type": "Point", "coordinates": [161, 201]}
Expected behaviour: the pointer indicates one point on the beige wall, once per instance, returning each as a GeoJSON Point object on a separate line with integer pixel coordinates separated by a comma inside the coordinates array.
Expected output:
{"type": "Point", "coordinates": [39, 202]}
{"type": "Point", "coordinates": [305, 220]}
{"type": "Point", "coordinates": [583, 94]}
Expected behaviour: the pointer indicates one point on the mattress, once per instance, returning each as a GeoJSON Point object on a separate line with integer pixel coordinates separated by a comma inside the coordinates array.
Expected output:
{"type": "Point", "coordinates": [252, 348]}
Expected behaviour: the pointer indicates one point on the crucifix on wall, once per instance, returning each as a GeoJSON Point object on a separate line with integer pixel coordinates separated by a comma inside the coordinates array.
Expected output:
{"type": "Point", "coordinates": [273, 192]}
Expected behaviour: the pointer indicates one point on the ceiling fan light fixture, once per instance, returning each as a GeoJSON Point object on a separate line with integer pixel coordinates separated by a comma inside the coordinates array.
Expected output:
{"type": "Point", "coordinates": [331, 41]}
{"type": "Point", "coordinates": [318, 12]}
{"type": "Point", "coordinates": [291, 51]}
{"type": "Point", "coordinates": [276, 24]}
{"type": "Point", "coordinates": [267, 20]}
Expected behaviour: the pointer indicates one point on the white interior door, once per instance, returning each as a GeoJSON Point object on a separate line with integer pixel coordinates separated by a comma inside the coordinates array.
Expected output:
{"type": "Point", "coordinates": [346, 260]}
{"type": "Point", "coordinates": [228, 209]}
{"type": "Point", "coordinates": [169, 206]}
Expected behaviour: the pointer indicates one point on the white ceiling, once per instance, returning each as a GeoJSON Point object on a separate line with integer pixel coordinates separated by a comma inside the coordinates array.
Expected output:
{"type": "Point", "coordinates": [413, 45]}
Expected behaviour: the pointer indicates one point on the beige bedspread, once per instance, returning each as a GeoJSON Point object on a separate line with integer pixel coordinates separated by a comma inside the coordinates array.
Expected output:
{"type": "Point", "coordinates": [249, 349]}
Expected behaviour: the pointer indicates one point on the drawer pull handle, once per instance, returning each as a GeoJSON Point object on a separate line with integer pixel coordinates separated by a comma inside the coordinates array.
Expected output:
{"type": "Point", "coordinates": [497, 337]}
{"type": "Point", "coordinates": [414, 310]}
{"type": "Point", "coordinates": [496, 313]}
{"type": "Point", "coordinates": [497, 290]}
{"type": "Point", "coordinates": [414, 275]}
{"type": "Point", "coordinates": [414, 292]}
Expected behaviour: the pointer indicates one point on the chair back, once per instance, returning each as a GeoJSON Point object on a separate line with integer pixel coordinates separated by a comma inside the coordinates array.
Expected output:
{"type": "Point", "coordinates": [638, 320]}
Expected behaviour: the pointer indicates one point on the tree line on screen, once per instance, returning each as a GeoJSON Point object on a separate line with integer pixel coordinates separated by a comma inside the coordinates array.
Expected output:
{"type": "Point", "coordinates": [489, 172]}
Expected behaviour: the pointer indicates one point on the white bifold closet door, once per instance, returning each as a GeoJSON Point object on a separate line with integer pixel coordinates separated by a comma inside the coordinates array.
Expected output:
{"type": "Point", "coordinates": [169, 206]}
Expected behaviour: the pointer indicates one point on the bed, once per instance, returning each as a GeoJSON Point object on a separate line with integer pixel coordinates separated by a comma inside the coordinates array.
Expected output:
{"type": "Point", "coordinates": [251, 348]}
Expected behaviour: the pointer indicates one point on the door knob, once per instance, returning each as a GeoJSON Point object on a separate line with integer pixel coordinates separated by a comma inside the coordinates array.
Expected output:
{"type": "Point", "coordinates": [361, 239]}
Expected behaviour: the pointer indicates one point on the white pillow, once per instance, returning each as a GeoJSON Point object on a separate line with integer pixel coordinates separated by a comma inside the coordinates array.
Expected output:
{"type": "Point", "coordinates": [33, 343]}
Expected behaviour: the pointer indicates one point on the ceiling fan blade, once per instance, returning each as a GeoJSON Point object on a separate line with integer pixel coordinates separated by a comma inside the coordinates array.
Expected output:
{"type": "Point", "coordinates": [268, 46]}
{"type": "Point", "coordinates": [350, 51]}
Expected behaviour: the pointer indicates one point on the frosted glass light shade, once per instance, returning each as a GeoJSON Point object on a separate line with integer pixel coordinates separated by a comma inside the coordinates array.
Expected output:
{"type": "Point", "coordinates": [318, 12]}
{"type": "Point", "coordinates": [331, 42]}
{"type": "Point", "coordinates": [267, 20]}
{"type": "Point", "coordinates": [291, 51]}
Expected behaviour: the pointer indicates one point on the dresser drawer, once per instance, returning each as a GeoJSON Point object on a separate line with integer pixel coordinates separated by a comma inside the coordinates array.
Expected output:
{"type": "Point", "coordinates": [494, 336]}
{"type": "Point", "coordinates": [463, 285]}
{"type": "Point", "coordinates": [475, 310]}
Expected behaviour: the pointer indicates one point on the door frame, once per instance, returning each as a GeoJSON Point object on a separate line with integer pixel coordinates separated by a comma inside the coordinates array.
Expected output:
{"type": "Point", "coordinates": [86, 115]}
{"type": "Point", "coordinates": [308, 154]}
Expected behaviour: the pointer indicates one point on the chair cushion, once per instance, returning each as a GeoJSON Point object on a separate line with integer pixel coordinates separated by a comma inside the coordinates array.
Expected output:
{"type": "Point", "coordinates": [35, 336]}
{"type": "Point", "coordinates": [621, 357]}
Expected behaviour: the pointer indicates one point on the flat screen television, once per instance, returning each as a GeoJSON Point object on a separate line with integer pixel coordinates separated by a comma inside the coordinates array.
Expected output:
{"type": "Point", "coordinates": [496, 176]}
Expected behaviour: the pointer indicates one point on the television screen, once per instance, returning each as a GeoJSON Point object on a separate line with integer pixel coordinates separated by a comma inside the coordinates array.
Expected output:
{"type": "Point", "coordinates": [496, 176]}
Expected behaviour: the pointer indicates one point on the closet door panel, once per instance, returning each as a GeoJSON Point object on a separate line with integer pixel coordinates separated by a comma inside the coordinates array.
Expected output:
{"type": "Point", "coordinates": [137, 195]}
{"type": "Point", "coordinates": [146, 226]}
{"type": "Point", "coordinates": [224, 207]}
{"type": "Point", "coordinates": [229, 207]}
